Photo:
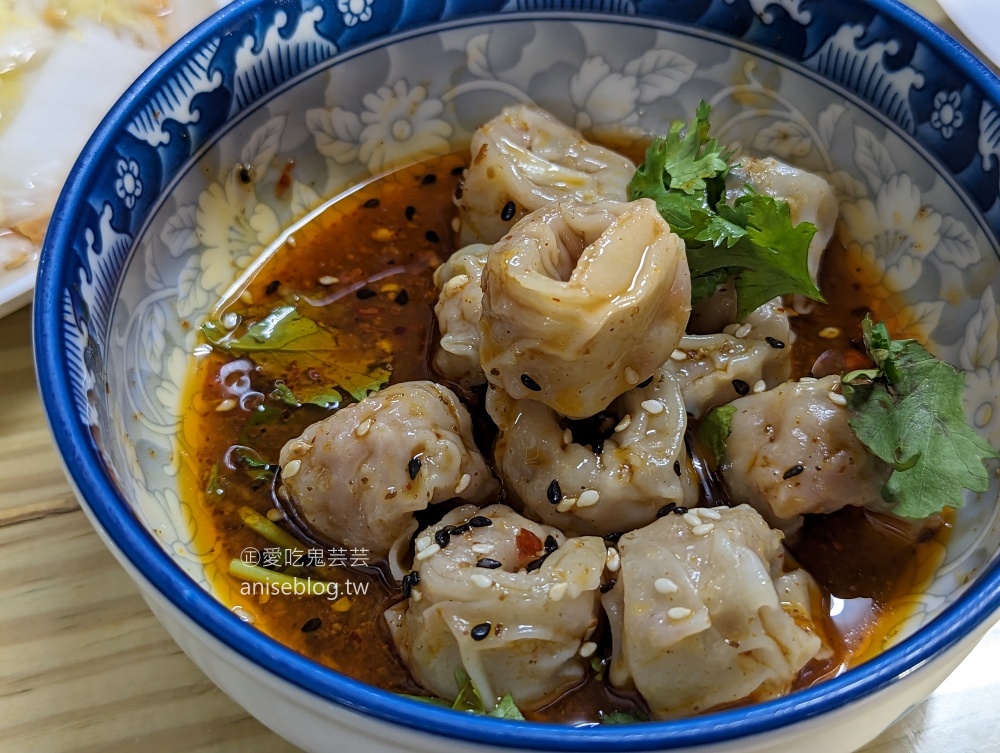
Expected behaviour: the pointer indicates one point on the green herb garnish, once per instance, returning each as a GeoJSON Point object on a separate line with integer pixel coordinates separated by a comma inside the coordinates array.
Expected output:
{"type": "Point", "coordinates": [752, 239]}
{"type": "Point", "coordinates": [714, 430]}
{"type": "Point", "coordinates": [469, 700]}
{"type": "Point", "coordinates": [622, 717]}
{"type": "Point", "coordinates": [325, 397]}
{"type": "Point", "coordinates": [285, 335]}
{"type": "Point", "coordinates": [908, 412]}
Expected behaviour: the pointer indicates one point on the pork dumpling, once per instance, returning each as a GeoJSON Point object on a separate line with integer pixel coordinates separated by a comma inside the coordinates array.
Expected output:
{"type": "Point", "coordinates": [358, 476]}
{"type": "Point", "coordinates": [701, 615]}
{"type": "Point", "coordinates": [791, 451]}
{"type": "Point", "coordinates": [716, 369]}
{"type": "Point", "coordinates": [459, 306]}
{"type": "Point", "coordinates": [717, 313]}
{"type": "Point", "coordinates": [632, 467]}
{"type": "Point", "coordinates": [508, 600]}
{"type": "Point", "coordinates": [581, 302]}
{"type": "Point", "coordinates": [524, 159]}
{"type": "Point", "coordinates": [809, 197]}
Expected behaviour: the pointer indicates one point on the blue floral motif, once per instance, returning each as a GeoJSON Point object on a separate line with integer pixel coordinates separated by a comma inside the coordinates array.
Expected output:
{"type": "Point", "coordinates": [128, 186]}
{"type": "Point", "coordinates": [355, 11]}
{"type": "Point", "coordinates": [947, 115]}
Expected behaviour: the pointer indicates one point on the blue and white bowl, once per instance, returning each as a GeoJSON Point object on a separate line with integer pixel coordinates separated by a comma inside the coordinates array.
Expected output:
{"type": "Point", "coordinates": [154, 226]}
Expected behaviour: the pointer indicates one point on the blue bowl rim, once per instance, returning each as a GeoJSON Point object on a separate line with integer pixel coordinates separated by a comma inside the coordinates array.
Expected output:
{"type": "Point", "coordinates": [972, 611]}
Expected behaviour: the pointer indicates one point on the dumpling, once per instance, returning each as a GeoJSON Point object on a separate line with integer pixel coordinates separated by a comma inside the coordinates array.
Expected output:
{"type": "Point", "coordinates": [809, 197]}
{"type": "Point", "coordinates": [524, 159]}
{"type": "Point", "coordinates": [716, 369]}
{"type": "Point", "coordinates": [617, 485]}
{"type": "Point", "coordinates": [581, 302]}
{"type": "Point", "coordinates": [506, 599]}
{"type": "Point", "coordinates": [701, 615]}
{"type": "Point", "coordinates": [459, 306]}
{"type": "Point", "coordinates": [358, 476]}
{"type": "Point", "coordinates": [717, 313]}
{"type": "Point", "coordinates": [792, 451]}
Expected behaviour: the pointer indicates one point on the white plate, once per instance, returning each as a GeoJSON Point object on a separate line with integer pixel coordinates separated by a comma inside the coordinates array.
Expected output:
{"type": "Point", "coordinates": [979, 20]}
{"type": "Point", "coordinates": [60, 78]}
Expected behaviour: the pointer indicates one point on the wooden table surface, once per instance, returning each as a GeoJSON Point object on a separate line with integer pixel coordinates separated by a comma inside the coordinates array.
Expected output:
{"type": "Point", "coordinates": [84, 665]}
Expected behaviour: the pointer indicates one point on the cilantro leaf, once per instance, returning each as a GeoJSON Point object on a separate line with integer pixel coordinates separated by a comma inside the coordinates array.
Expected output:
{"type": "Point", "coordinates": [752, 239]}
{"type": "Point", "coordinates": [909, 413]}
{"type": "Point", "coordinates": [286, 336]}
{"type": "Point", "coordinates": [714, 430]}
{"type": "Point", "coordinates": [324, 398]}
{"type": "Point", "coordinates": [507, 709]}
{"type": "Point", "coordinates": [621, 717]}
{"type": "Point", "coordinates": [469, 700]}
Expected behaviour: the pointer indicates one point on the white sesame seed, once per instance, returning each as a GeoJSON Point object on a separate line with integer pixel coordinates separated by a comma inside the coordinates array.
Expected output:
{"type": "Point", "coordinates": [708, 512]}
{"type": "Point", "coordinates": [678, 613]}
{"type": "Point", "coordinates": [456, 224]}
{"type": "Point", "coordinates": [557, 591]}
{"type": "Point", "coordinates": [328, 280]}
{"type": "Point", "coordinates": [665, 586]}
{"type": "Point", "coordinates": [631, 376]}
{"type": "Point", "coordinates": [483, 581]}
{"type": "Point", "coordinates": [247, 297]}
{"type": "Point", "coordinates": [759, 386]}
{"type": "Point", "coordinates": [274, 515]}
{"type": "Point", "coordinates": [829, 333]}
{"type": "Point", "coordinates": [300, 447]}
{"type": "Point", "coordinates": [614, 560]}
{"type": "Point", "coordinates": [415, 594]}
{"type": "Point", "coordinates": [428, 551]}
{"type": "Point", "coordinates": [226, 405]}
{"type": "Point", "coordinates": [837, 399]}
{"type": "Point", "coordinates": [463, 483]}
{"type": "Point", "coordinates": [422, 543]}
{"type": "Point", "coordinates": [566, 504]}
{"type": "Point", "coordinates": [653, 407]}
{"type": "Point", "coordinates": [624, 423]}
{"type": "Point", "coordinates": [692, 519]}
{"type": "Point", "coordinates": [587, 649]}
{"type": "Point", "coordinates": [455, 284]}
{"type": "Point", "coordinates": [482, 548]}
{"type": "Point", "coordinates": [567, 437]}
{"type": "Point", "coordinates": [230, 320]}
{"type": "Point", "coordinates": [704, 529]}
{"type": "Point", "coordinates": [588, 498]}
{"type": "Point", "coordinates": [678, 355]}
{"type": "Point", "coordinates": [363, 427]}
{"type": "Point", "coordinates": [743, 330]}
{"type": "Point", "coordinates": [291, 468]}
{"type": "Point", "coordinates": [807, 380]}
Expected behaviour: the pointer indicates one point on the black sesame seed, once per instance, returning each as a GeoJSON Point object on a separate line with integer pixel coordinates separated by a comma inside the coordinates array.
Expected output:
{"type": "Point", "coordinates": [428, 179]}
{"type": "Point", "coordinates": [460, 530]}
{"type": "Point", "coordinates": [410, 213]}
{"type": "Point", "coordinates": [680, 510]}
{"type": "Point", "coordinates": [409, 581]}
{"type": "Point", "coordinates": [458, 170]}
{"type": "Point", "coordinates": [480, 631]}
{"type": "Point", "coordinates": [792, 472]}
{"type": "Point", "coordinates": [551, 544]}
{"type": "Point", "coordinates": [458, 192]}
{"type": "Point", "coordinates": [643, 385]}
{"type": "Point", "coordinates": [612, 538]}
{"type": "Point", "coordinates": [245, 175]}
{"type": "Point", "coordinates": [741, 387]}
{"type": "Point", "coordinates": [774, 342]}
{"type": "Point", "coordinates": [365, 293]}
{"type": "Point", "coordinates": [508, 211]}
{"type": "Point", "coordinates": [677, 467]}
{"type": "Point", "coordinates": [534, 564]}
{"type": "Point", "coordinates": [530, 383]}
{"type": "Point", "coordinates": [554, 492]}
{"type": "Point", "coordinates": [666, 509]}
{"type": "Point", "coordinates": [371, 203]}
{"type": "Point", "coordinates": [413, 467]}
{"type": "Point", "coordinates": [402, 298]}
{"type": "Point", "coordinates": [489, 563]}
{"type": "Point", "coordinates": [432, 236]}
{"type": "Point", "coordinates": [480, 521]}
{"type": "Point", "coordinates": [272, 287]}
{"type": "Point", "coordinates": [442, 537]}
{"type": "Point", "coordinates": [495, 372]}
{"type": "Point", "coordinates": [313, 623]}
{"type": "Point", "coordinates": [609, 585]}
